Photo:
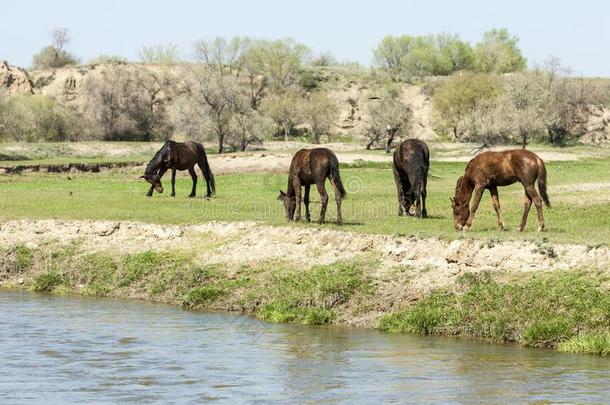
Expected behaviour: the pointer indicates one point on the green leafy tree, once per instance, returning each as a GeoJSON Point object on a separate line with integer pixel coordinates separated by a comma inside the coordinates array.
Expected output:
{"type": "Point", "coordinates": [498, 52]}
{"type": "Point", "coordinates": [459, 96]}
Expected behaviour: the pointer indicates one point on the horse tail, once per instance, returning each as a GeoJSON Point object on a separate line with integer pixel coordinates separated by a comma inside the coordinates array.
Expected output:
{"type": "Point", "coordinates": [336, 178]}
{"type": "Point", "coordinates": [542, 183]}
{"type": "Point", "coordinates": [420, 165]}
{"type": "Point", "coordinates": [207, 172]}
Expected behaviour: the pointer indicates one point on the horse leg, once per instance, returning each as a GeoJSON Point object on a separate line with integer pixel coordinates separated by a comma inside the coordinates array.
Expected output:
{"type": "Point", "coordinates": [306, 201]}
{"type": "Point", "coordinates": [323, 201]}
{"type": "Point", "coordinates": [338, 201]}
{"type": "Point", "coordinates": [150, 191]}
{"type": "Point", "coordinates": [526, 209]}
{"type": "Point", "coordinates": [533, 193]}
{"type": "Point", "coordinates": [194, 177]}
{"type": "Point", "coordinates": [477, 195]}
{"type": "Point", "coordinates": [495, 199]}
{"type": "Point", "coordinates": [207, 182]}
{"type": "Point", "coordinates": [418, 213]}
{"type": "Point", "coordinates": [173, 183]}
{"type": "Point", "coordinates": [297, 196]}
{"type": "Point", "coordinates": [424, 213]}
{"type": "Point", "coordinates": [399, 193]}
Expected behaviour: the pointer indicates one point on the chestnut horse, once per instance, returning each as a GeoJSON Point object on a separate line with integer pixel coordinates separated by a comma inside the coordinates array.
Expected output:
{"type": "Point", "coordinates": [411, 164]}
{"type": "Point", "coordinates": [179, 156]}
{"type": "Point", "coordinates": [492, 169]}
{"type": "Point", "coordinates": [312, 166]}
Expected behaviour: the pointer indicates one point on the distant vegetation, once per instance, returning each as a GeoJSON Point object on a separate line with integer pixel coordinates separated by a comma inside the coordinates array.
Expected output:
{"type": "Point", "coordinates": [239, 92]}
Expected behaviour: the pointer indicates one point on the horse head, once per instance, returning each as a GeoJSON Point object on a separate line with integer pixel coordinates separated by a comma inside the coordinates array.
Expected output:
{"type": "Point", "coordinates": [289, 204]}
{"type": "Point", "coordinates": [460, 205]}
{"type": "Point", "coordinates": [154, 180]}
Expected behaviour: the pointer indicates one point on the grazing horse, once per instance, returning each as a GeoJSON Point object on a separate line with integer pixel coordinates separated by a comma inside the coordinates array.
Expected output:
{"type": "Point", "coordinates": [312, 166]}
{"type": "Point", "coordinates": [411, 164]}
{"type": "Point", "coordinates": [178, 156]}
{"type": "Point", "coordinates": [492, 169]}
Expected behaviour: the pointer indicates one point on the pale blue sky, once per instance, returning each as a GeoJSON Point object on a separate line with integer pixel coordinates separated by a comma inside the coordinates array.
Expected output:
{"type": "Point", "coordinates": [577, 32]}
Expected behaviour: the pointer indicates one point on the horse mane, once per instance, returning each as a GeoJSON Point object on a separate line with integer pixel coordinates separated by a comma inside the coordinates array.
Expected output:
{"type": "Point", "coordinates": [463, 189]}
{"type": "Point", "coordinates": [155, 162]}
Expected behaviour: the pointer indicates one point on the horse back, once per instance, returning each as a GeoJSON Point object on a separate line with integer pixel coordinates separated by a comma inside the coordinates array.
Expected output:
{"type": "Point", "coordinates": [312, 165]}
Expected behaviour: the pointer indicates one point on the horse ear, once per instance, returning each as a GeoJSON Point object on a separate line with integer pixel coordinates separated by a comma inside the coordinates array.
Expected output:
{"type": "Point", "coordinates": [142, 177]}
{"type": "Point", "coordinates": [451, 199]}
{"type": "Point", "coordinates": [282, 196]}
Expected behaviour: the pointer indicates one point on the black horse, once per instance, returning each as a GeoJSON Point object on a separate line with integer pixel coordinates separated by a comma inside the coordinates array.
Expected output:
{"type": "Point", "coordinates": [312, 166]}
{"type": "Point", "coordinates": [179, 156]}
{"type": "Point", "coordinates": [411, 164]}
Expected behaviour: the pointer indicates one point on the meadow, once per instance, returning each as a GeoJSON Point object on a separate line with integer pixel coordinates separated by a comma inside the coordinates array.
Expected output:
{"type": "Point", "coordinates": [579, 193]}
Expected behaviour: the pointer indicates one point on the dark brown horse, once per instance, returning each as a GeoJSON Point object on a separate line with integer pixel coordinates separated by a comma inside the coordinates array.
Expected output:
{"type": "Point", "coordinates": [312, 166]}
{"type": "Point", "coordinates": [179, 156]}
{"type": "Point", "coordinates": [492, 169]}
{"type": "Point", "coordinates": [411, 164]}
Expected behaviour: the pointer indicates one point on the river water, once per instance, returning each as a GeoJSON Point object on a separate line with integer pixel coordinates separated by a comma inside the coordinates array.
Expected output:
{"type": "Point", "coordinates": [71, 349]}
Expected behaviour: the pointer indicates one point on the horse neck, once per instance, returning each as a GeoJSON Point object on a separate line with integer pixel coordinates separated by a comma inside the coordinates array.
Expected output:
{"type": "Point", "coordinates": [465, 190]}
{"type": "Point", "coordinates": [290, 188]}
{"type": "Point", "coordinates": [156, 161]}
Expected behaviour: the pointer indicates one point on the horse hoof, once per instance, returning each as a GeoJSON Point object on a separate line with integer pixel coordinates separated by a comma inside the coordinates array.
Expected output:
{"type": "Point", "coordinates": [465, 228]}
{"type": "Point", "coordinates": [519, 229]}
{"type": "Point", "coordinates": [540, 228]}
{"type": "Point", "coordinates": [191, 196]}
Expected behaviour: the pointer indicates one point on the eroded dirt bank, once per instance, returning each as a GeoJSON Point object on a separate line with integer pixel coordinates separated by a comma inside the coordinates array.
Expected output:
{"type": "Point", "coordinates": [430, 263]}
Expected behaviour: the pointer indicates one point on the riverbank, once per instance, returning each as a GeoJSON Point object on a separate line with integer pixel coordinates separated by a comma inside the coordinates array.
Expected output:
{"type": "Point", "coordinates": [537, 294]}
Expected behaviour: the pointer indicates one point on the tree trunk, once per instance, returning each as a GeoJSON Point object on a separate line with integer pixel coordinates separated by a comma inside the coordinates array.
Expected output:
{"type": "Point", "coordinates": [221, 143]}
{"type": "Point", "coordinates": [523, 139]}
{"type": "Point", "coordinates": [314, 138]}
{"type": "Point", "coordinates": [286, 132]}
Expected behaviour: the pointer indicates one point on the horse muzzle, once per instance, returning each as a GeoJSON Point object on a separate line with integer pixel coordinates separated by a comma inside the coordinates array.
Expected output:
{"type": "Point", "coordinates": [159, 190]}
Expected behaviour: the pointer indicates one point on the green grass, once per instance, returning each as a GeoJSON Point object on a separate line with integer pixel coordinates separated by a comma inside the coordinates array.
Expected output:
{"type": "Point", "coordinates": [576, 216]}
{"type": "Point", "coordinates": [588, 343]}
{"type": "Point", "coordinates": [275, 292]}
{"type": "Point", "coordinates": [540, 310]}
{"type": "Point", "coordinates": [310, 297]}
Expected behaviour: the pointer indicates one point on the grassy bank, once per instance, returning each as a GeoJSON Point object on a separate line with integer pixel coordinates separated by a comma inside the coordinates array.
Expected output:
{"type": "Point", "coordinates": [578, 192]}
{"type": "Point", "coordinates": [568, 310]}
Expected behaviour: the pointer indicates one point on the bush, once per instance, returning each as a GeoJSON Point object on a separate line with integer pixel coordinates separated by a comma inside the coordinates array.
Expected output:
{"type": "Point", "coordinates": [34, 118]}
{"type": "Point", "coordinates": [51, 57]}
{"type": "Point", "coordinates": [47, 282]}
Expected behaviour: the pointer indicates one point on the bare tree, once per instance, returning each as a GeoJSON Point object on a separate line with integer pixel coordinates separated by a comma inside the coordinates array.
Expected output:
{"type": "Point", "coordinates": [284, 109]}
{"type": "Point", "coordinates": [388, 118]}
{"type": "Point", "coordinates": [319, 112]}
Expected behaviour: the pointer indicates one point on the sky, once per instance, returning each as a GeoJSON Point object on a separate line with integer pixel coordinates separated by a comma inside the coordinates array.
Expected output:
{"type": "Point", "coordinates": [576, 32]}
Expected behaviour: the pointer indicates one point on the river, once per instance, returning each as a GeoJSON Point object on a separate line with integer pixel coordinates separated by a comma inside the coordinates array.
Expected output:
{"type": "Point", "coordinates": [56, 349]}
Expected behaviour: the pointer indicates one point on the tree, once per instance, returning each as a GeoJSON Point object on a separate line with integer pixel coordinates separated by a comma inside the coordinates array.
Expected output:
{"type": "Point", "coordinates": [248, 128]}
{"type": "Point", "coordinates": [55, 56]}
{"type": "Point", "coordinates": [459, 96]}
{"type": "Point", "coordinates": [279, 62]}
{"type": "Point", "coordinates": [284, 109]}
{"type": "Point", "coordinates": [319, 112]}
{"type": "Point", "coordinates": [124, 103]}
{"type": "Point", "coordinates": [408, 57]}
{"type": "Point", "coordinates": [159, 54]}
{"type": "Point", "coordinates": [498, 53]}
{"type": "Point", "coordinates": [388, 118]}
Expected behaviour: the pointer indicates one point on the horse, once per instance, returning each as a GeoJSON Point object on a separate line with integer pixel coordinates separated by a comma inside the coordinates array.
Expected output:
{"type": "Point", "coordinates": [312, 166]}
{"type": "Point", "coordinates": [489, 170]}
{"type": "Point", "coordinates": [410, 166]}
{"type": "Point", "coordinates": [179, 156]}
